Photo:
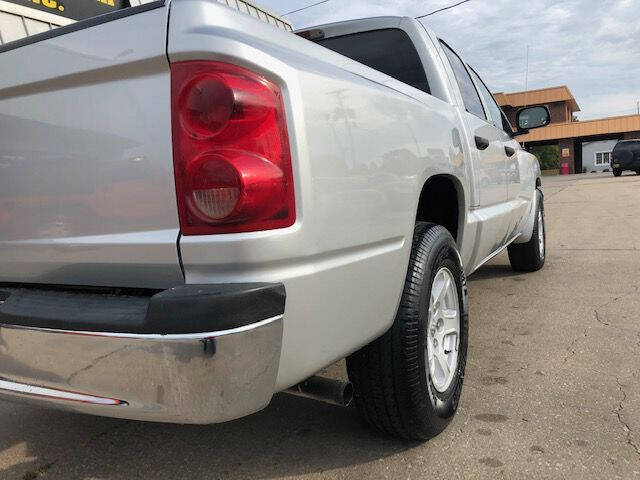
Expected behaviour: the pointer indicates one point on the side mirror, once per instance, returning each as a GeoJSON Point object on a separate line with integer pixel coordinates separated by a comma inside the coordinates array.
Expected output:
{"type": "Point", "coordinates": [532, 117]}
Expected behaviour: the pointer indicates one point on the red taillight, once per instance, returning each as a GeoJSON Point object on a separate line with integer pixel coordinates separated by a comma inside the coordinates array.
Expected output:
{"type": "Point", "coordinates": [230, 149]}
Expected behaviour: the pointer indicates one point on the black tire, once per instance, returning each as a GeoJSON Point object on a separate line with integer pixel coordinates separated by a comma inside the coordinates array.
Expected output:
{"type": "Point", "coordinates": [617, 172]}
{"type": "Point", "coordinates": [637, 172]}
{"type": "Point", "coordinates": [394, 392]}
{"type": "Point", "coordinates": [529, 257]}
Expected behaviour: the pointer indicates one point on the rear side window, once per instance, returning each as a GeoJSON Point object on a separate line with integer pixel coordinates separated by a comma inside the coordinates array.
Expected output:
{"type": "Point", "coordinates": [494, 109]}
{"type": "Point", "coordinates": [389, 51]}
{"type": "Point", "coordinates": [469, 93]}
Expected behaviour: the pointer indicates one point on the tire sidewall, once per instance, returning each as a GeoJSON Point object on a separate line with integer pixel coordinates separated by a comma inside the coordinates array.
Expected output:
{"type": "Point", "coordinates": [443, 253]}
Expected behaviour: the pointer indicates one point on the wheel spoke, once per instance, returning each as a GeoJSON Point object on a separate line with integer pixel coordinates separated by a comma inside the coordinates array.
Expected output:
{"type": "Point", "coordinates": [433, 311]}
{"type": "Point", "coordinates": [450, 341]}
{"type": "Point", "coordinates": [450, 318]}
{"type": "Point", "coordinates": [436, 292]}
{"type": "Point", "coordinates": [444, 365]}
{"type": "Point", "coordinates": [445, 288]}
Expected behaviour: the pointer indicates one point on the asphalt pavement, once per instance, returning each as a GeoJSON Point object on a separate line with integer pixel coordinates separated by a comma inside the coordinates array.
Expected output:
{"type": "Point", "coordinates": [552, 387]}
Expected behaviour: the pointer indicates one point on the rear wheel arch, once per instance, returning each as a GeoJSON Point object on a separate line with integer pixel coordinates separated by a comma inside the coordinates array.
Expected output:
{"type": "Point", "coordinates": [442, 202]}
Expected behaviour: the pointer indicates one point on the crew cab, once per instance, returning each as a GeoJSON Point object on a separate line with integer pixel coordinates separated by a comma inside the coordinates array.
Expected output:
{"type": "Point", "coordinates": [199, 210]}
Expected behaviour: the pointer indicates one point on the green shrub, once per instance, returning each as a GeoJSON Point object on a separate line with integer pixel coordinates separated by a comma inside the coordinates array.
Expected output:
{"type": "Point", "coordinates": [548, 156]}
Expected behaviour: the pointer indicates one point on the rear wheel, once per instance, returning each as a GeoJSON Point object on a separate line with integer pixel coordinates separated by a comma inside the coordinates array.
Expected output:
{"type": "Point", "coordinates": [529, 257]}
{"type": "Point", "coordinates": [408, 382]}
{"type": "Point", "coordinates": [617, 172]}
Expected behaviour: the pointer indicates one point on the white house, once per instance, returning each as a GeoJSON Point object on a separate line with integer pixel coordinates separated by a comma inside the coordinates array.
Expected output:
{"type": "Point", "coordinates": [596, 156]}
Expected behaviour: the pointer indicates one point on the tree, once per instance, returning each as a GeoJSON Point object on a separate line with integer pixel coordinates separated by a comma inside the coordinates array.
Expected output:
{"type": "Point", "coordinates": [548, 156]}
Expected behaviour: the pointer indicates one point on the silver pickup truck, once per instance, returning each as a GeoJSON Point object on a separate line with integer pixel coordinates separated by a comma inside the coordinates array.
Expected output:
{"type": "Point", "coordinates": [199, 210]}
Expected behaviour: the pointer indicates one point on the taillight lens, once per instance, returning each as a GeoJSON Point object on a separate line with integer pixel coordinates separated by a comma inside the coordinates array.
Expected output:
{"type": "Point", "coordinates": [230, 149]}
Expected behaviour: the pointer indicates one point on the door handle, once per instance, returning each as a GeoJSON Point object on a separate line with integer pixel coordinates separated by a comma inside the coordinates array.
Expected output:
{"type": "Point", "coordinates": [482, 143]}
{"type": "Point", "coordinates": [509, 151]}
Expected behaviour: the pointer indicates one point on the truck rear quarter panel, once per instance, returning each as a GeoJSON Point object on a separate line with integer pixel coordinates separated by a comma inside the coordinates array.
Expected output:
{"type": "Point", "coordinates": [363, 146]}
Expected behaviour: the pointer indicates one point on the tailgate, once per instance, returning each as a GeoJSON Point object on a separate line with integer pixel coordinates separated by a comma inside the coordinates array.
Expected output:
{"type": "Point", "coordinates": [87, 194]}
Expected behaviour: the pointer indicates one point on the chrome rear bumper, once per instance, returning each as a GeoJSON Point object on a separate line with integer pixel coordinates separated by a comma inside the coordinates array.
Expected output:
{"type": "Point", "coordinates": [202, 378]}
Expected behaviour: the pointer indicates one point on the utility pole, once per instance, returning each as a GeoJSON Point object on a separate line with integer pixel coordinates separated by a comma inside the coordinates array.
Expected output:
{"type": "Point", "coordinates": [526, 82]}
{"type": "Point", "coordinates": [526, 77]}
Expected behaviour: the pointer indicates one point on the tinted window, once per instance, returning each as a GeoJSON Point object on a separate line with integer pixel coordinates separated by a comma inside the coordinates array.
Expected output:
{"type": "Point", "coordinates": [469, 93]}
{"type": "Point", "coordinates": [494, 109]}
{"type": "Point", "coordinates": [389, 51]}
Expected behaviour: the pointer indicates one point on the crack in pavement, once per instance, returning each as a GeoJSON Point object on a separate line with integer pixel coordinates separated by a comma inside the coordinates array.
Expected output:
{"type": "Point", "coordinates": [625, 425]}
{"type": "Point", "coordinates": [620, 297]}
{"type": "Point", "coordinates": [613, 300]}
{"type": "Point", "coordinates": [570, 349]}
{"type": "Point", "coordinates": [597, 315]}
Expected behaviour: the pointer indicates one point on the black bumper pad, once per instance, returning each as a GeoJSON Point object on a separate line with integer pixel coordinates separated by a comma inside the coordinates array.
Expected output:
{"type": "Point", "coordinates": [179, 310]}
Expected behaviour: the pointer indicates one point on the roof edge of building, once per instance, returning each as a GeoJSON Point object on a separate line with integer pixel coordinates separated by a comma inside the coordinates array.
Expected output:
{"type": "Point", "coordinates": [595, 119]}
{"type": "Point", "coordinates": [557, 131]}
{"type": "Point", "coordinates": [537, 90]}
{"type": "Point", "coordinates": [558, 93]}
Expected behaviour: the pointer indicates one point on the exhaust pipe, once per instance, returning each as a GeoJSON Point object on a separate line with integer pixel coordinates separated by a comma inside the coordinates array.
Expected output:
{"type": "Point", "coordinates": [325, 390]}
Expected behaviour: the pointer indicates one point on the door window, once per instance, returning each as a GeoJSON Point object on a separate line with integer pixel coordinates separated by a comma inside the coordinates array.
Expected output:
{"type": "Point", "coordinates": [469, 93]}
{"type": "Point", "coordinates": [494, 110]}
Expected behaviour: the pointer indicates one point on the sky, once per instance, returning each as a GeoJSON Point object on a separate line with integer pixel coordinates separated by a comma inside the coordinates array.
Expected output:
{"type": "Point", "coordinates": [592, 46]}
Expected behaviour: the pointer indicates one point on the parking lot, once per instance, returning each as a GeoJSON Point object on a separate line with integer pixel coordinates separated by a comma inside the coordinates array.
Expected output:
{"type": "Point", "coordinates": [552, 387]}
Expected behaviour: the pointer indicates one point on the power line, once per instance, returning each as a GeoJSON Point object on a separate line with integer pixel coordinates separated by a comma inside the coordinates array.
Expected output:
{"type": "Point", "coordinates": [303, 8]}
{"type": "Point", "coordinates": [442, 9]}
{"type": "Point", "coordinates": [526, 78]}
{"type": "Point", "coordinates": [421, 16]}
